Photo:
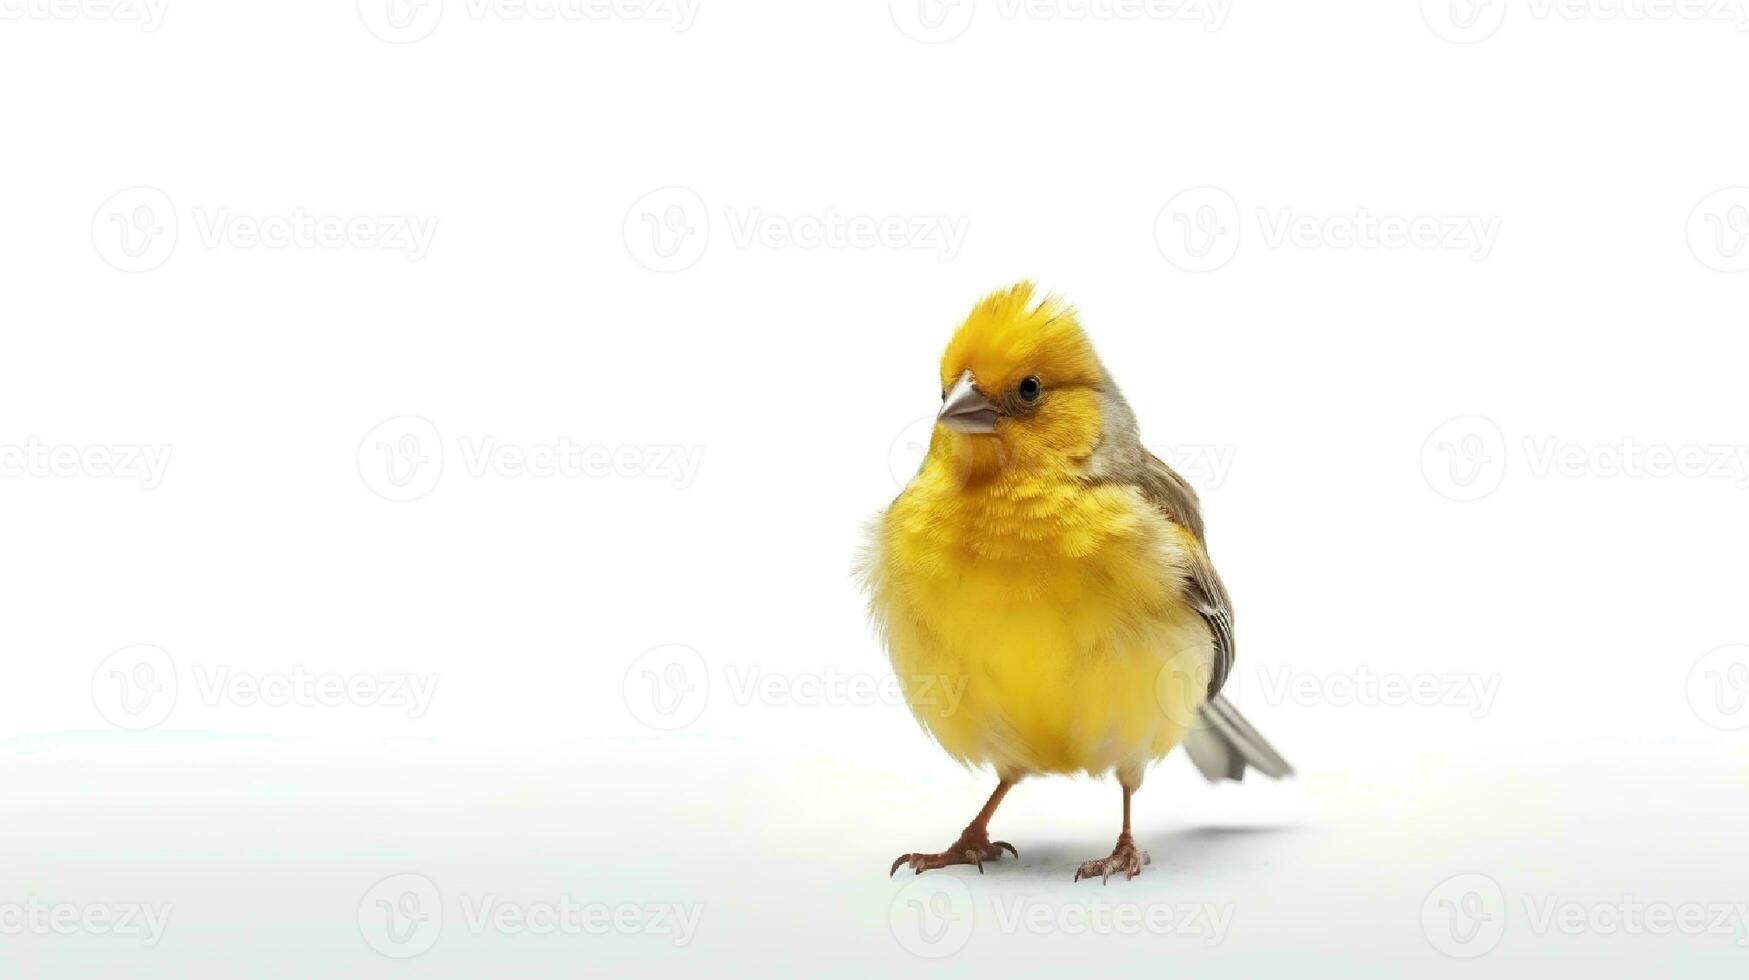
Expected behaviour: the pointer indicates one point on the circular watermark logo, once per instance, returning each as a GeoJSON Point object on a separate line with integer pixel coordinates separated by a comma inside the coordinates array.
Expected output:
{"type": "Point", "coordinates": [135, 229]}
{"type": "Point", "coordinates": [1464, 916]}
{"type": "Point", "coordinates": [1718, 687]}
{"type": "Point", "coordinates": [1464, 21]}
{"type": "Point", "coordinates": [931, 21]}
{"type": "Point", "coordinates": [401, 916]}
{"type": "Point", "coordinates": [1718, 230]}
{"type": "Point", "coordinates": [1464, 459]}
{"type": "Point", "coordinates": [135, 687]}
{"type": "Point", "coordinates": [401, 21]}
{"type": "Point", "coordinates": [932, 915]}
{"type": "Point", "coordinates": [1198, 229]}
{"type": "Point", "coordinates": [667, 687]}
{"type": "Point", "coordinates": [401, 459]}
{"type": "Point", "coordinates": [905, 455]}
{"type": "Point", "coordinates": [1181, 687]}
{"type": "Point", "coordinates": [667, 229]}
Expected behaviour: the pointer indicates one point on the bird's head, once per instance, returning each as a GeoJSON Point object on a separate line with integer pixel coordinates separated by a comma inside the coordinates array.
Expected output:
{"type": "Point", "coordinates": [1020, 386]}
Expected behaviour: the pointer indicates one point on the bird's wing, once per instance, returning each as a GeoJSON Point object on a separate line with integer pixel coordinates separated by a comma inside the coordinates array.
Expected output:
{"type": "Point", "coordinates": [1204, 592]}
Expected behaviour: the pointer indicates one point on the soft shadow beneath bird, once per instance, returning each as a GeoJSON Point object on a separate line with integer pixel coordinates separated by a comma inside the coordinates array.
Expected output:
{"type": "Point", "coordinates": [1186, 849]}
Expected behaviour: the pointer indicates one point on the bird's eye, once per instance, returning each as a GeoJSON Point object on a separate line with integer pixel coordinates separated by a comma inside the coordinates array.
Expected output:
{"type": "Point", "coordinates": [1029, 390]}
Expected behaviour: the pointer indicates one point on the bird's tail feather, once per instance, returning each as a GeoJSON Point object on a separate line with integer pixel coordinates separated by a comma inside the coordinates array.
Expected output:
{"type": "Point", "coordinates": [1225, 743]}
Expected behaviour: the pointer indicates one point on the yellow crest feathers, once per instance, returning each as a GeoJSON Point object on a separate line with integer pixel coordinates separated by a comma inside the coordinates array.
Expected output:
{"type": "Point", "coordinates": [1008, 336]}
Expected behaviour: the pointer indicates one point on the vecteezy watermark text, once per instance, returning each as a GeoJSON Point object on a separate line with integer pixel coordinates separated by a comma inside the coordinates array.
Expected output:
{"type": "Point", "coordinates": [938, 21]}
{"type": "Point", "coordinates": [138, 686]}
{"type": "Point", "coordinates": [1472, 21]}
{"type": "Point", "coordinates": [36, 459]}
{"type": "Point", "coordinates": [485, 456]}
{"type": "Point", "coordinates": [138, 229]}
{"type": "Point", "coordinates": [39, 917]}
{"type": "Point", "coordinates": [1467, 458]}
{"type": "Point", "coordinates": [301, 687]}
{"type": "Point", "coordinates": [403, 915]}
{"type": "Point", "coordinates": [408, 21]}
{"type": "Point", "coordinates": [936, 916]}
{"type": "Point", "coordinates": [1366, 688]}
{"type": "Point", "coordinates": [1467, 915]}
{"type": "Point", "coordinates": [402, 459]}
{"type": "Point", "coordinates": [1200, 230]}
{"type": "Point", "coordinates": [148, 14]}
{"type": "Point", "coordinates": [566, 916]}
{"type": "Point", "coordinates": [668, 687]}
{"type": "Point", "coordinates": [668, 230]}
{"type": "Point", "coordinates": [409, 234]}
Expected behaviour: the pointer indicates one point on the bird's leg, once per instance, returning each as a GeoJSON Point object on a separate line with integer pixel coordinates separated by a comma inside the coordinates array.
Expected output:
{"type": "Point", "coordinates": [973, 847]}
{"type": "Point", "coordinates": [1125, 859]}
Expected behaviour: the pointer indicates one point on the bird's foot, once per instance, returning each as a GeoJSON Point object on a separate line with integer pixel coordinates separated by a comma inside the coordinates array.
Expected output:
{"type": "Point", "coordinates": [1124, 860]}
{"type": "Point", "coordinates": [973, 847]}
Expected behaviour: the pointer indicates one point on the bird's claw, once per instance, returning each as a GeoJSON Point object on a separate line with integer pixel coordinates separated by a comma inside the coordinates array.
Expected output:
{"type": "Point", "coordinates": [968, 849]}
{"type": "Point", "coordinates": [1125, 859]}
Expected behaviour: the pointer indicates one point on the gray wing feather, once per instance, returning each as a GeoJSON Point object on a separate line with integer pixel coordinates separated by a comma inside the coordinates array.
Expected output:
{"type": "Point", "coordinates": [1226, 743]}
{"type": "Point", "coordinates": [1222, 743]}
{"type": "Point", "coordinates": [1203, 590]}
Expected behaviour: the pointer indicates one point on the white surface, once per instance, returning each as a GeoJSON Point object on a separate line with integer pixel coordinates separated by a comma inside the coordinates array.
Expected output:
{"type": "Point", "coordinates": [1422, 466]}
{"type": "Point", "coordinates": [265, 852]}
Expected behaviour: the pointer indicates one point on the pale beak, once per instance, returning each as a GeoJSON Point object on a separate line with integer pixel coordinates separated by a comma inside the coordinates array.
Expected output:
{"type": "Point", "coordinates": [965, 409]}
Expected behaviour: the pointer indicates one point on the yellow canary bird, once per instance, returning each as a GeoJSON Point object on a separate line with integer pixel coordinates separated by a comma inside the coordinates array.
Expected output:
{"type": "Point", "coordinates": [1051, 572]}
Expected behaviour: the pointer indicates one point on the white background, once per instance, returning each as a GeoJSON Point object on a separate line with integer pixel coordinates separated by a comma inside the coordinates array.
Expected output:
{"type": "Point", "coordinates": [1573, 543]}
